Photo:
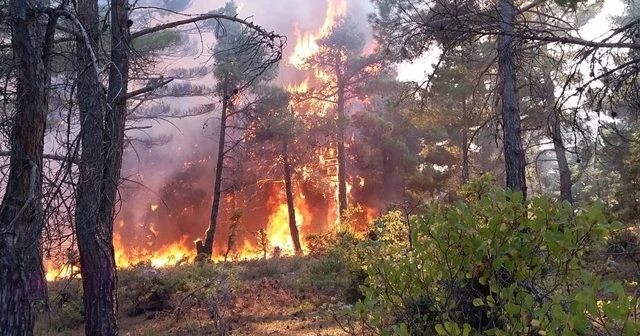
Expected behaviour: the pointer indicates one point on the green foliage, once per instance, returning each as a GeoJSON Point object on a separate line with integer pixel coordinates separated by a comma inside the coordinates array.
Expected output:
{"type": "Point", "coordinates": [158, 41]}
{"type": "Point", "coordinates": [257, 271]}
{"type": "Point", "coordinates": [494, 266]}
{"type": "Point", "coordinates": [70, 316]}
{"type": "Point", "coordinates": [69, 310]}
{"type": "Point", "coordinates": [239, 57]}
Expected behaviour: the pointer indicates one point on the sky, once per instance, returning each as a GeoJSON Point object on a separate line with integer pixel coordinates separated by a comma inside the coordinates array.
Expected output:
{"type": "Point", "coordinates": [419, 69]}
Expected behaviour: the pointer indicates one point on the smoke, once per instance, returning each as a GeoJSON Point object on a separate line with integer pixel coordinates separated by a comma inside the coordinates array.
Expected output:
{"type": "Point", "coordinates": [167, 192]}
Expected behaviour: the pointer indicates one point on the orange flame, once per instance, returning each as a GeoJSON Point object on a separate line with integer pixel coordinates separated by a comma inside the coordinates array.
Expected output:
{"type": "Point", "coordinates": [306, 45]}
{"type": "Point", "coordinates": [278, 229]}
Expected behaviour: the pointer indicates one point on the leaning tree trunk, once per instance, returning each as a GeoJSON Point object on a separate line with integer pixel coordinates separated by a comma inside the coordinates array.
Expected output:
{"type": "Point", "coordinates": [207, 248]}
{"type": "Point", "coordinates": [342, 156]}
{"type": "Point", "coordinates": [512, 138]}
{"type": "Point", "coordinates": [295, 235]}
{"type": "Point", "coordinates": [22, 281]}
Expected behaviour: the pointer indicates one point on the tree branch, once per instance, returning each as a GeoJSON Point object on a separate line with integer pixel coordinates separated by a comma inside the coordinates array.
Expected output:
{"type": "Point", "coordinates": [147, 88]}
{"type": "Point", "coordinates": [198, 18]}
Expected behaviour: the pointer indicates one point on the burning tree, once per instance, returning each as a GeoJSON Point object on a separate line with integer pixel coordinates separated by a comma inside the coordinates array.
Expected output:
{"type": "Point", "coordinates": [344, 74]}
{"type": "Point", "coordinates": [277, 126]}
{"type": "Point", "coordinates": [242, 61]}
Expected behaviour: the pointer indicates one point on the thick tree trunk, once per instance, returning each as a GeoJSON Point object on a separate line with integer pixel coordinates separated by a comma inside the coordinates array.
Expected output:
{"type": "Point", "coordinates": [514, 155]}
{"type": "Point", "coordinates": [295, 235]}
{"type": "Point", "coordinates": [22, 281]}
{"type": "Point", "coordinates": [555, 132]}
{"type": "Point", "coordinates": [217, 187]}
{"type": "Point", "coordinates": [102, 130]}
{"type": "Point", "coordinates": [342, 156]}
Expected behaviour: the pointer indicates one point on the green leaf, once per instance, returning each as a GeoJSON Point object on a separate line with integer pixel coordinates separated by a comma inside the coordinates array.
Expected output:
{"type": "Point", "coordinates": [477, 302]}
{"type": "Point", "coordinates": [586, 276]}
{"type": "Point", "coordinates": [466, 329]}
{"type": "Point", "coordinates": [630, 328]}
{"type": "Point", "coordinates": [616, 225]}
{"type": "Point", "coordinates": [614, 311]}
{"type": "Point", "coordinates": [528, 302]}
{"type": "Point", "coordinates": [440, 329]}
{"type": "Point", "coordinates": [512, 308]}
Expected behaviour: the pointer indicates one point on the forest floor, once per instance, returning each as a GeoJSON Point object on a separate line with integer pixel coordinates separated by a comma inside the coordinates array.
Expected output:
{"type": "Point", "coordinates": [281, 296]}
{"type": "Point", "coordinates": [284, 296]}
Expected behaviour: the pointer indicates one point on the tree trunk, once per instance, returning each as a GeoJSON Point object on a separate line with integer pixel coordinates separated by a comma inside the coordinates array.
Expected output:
{"type": "Point", "coordinates": [465, 145]}
{"type": "Point", "coordinates": [22, 281]}
{"type": "Point", "coordinates": [217, 187]}
{"type": "Point", "coordinates": [102, 128]}
{"type": "Point", "coordinates": [342, 156]}
{"type": "Point", "coordinates": [555, 132]}
{"type": "Point", "coordinates": [512, 138]}
{"type": "Point", "coordinates": [295, 236]}
{"type": "Point", "coordinates": [465, 156]}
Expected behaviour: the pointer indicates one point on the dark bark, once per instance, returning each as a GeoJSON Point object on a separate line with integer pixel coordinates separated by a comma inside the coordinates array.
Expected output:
{"type": "Point", "coordinates": [465, 157]}
{"type": "Point", "coordinates": [217, 187]}
{"type": "Point", "coordinates": [512, 138]}
{"type": "Point", "coordinates": [561, 156]}
{"type": "Point", "coordinates": [465, 144]}
{"type": "Point", "coordinates": [295, 235]}
{"type": "Point", "coordinates": [102, 122]}
{"type": "Point", "coordinates": [342, 125]}
{"type": "Point", "coordinates": [555, 132]}
{"type": "Point", "coordinates": [22, 281]}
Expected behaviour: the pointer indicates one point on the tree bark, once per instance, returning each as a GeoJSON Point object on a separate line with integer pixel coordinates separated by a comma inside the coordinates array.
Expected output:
{"type": "Point", "coordinates": [566, 182]}
{"type": "Point", "coordinates": [555, 132]}
{"type": "Point", "coordinates": [295, 235]}
{"type": "Point", "coordinates": [22, 281]}
{"type": "Point", "coordinates": [217, 187]}
{"type": "Point", "coordinates": [465, 144]}
{"type": "Point", "coordinates": [513, 150]}
{"type": "Point", "coordinates": [102, 128]}
{"type": "Point", "coordinates": [342, 156]}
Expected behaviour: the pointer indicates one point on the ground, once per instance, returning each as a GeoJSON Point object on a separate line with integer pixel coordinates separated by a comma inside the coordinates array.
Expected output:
{"type": "Point", "coordinates": [281, 296]}
{"type": "Point", "coordinates": [284, 296]}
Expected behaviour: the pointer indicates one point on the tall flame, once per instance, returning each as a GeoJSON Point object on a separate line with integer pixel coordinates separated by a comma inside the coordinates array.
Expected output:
{"type": "Point", "coordinates": [306, 44]}
{"type": "Point", "coordinates": [278, 229]}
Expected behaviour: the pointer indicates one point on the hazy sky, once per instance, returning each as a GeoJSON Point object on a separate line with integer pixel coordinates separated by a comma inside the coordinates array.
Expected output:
{"type": "Point", "coordinates": [598, 26]}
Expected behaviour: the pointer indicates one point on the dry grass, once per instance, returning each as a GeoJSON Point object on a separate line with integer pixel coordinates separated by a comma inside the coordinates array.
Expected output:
{"type": "Point", "coordinates": [286, 296]}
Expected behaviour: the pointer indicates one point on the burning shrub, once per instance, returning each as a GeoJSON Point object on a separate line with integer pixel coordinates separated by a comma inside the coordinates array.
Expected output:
{"type": "Point", "coordinates": [495, 266]}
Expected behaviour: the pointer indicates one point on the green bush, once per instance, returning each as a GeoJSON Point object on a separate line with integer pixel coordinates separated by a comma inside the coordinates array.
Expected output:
{"type": "Point", "coordinates": [70, 317]}
{"type": "Point", "coordinates": [493, 266]}
{"type": "Point", "coordinates": [67, 306]}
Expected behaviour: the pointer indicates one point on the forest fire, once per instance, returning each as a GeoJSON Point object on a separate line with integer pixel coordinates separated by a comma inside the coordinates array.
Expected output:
{"type": "Point", "coordinates": [163, 234]}
{"type": "Point", "coordinates": [306, 43]}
